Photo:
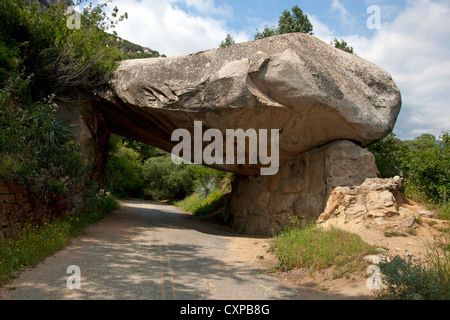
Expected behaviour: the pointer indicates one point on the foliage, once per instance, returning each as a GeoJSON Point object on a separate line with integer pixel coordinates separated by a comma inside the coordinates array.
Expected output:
{"type": "Point", "coordinates": [289, 22]}
{"type": "Point", "coordinates": [36, 149]}
{"type": "Point", "coordinates": [43, 60]}
{"type": "Point", "coordinates": [227, 42]}
{"type": "Point", "coordinates": [200, 205]}
{"type": "Point", "coordinates": [124, 178]}
{"type": "Point", "coordinates": [205, 185]}
{"type": "Point", "coordinates": [425, 141]}
{"type": "Point", "coordinates": [423, 163]}
{"type": "Point", "coordinates": [35, 242]}
{"type": "Point", "coordinates": [166, 180]}
{"type": "Point", "coordinates": [296, 21]}
{"type": "Point", "coordinates": [63, 61]}
{"type": "Point", "coordinates": [429, 170]}
{"type": "Point", "coordinates": [343, 45]}
{"type": "Point", "coordinates": [412, 280]}
{"type": "Point", "coordinates": [390, 154]}
{"type": "Point", "coordinates": [312, 247]}
{"type": "Point", "coordinates": [267, 32]}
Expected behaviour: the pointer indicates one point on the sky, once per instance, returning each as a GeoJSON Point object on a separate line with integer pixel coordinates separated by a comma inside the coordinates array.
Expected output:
{"type": "Point", "coordinates": [408, 38]}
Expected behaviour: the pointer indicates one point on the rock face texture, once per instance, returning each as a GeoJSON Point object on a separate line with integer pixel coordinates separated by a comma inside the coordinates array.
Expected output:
{"type": "Point", "coordinates": [327, 105]}
{"type": "Point", "coordinates": [312, 92]}
{"type": "Point", "coordinates": [354, 207]}
{"type": "Point", "coordinates": [265, 204]}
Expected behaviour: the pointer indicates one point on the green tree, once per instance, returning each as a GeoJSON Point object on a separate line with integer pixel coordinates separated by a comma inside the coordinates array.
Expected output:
{"type": "Point", "coordinates": [343, 45]}
{"type": "Point", "coordinates": [227, 42]}
{"type": "Point", "coordinates": [429, 168]}
{"type": "Point", "coordinates": [296, 21]}
{"type": "Point", "coordinates": [124, 169]}
{"type": "Point", "coordinates": [42, 60]}
{"type": "Point", "coordinates": [289, 22]}
{"type": "Point", "coordinates": [166, 180]}
{"type": "Point", "coordinates": [423, 142]}
{"type": "Point", "coordinates": [267, 32]}
{"type": "Point", "coordinates": [390, 154]}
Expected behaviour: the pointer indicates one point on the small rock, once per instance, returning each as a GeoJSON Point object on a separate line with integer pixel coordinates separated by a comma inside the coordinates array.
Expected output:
{"type": "Point", "coordinates": [376, 259]}
{"type": "Point", "coordinates": [426, 213]}
{"type": "Point", "coordinates": [408, 222]}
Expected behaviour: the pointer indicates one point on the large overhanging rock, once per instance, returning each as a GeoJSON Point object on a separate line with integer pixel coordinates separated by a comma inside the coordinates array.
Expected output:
{"type": "Point", "coordinates": [313, 93]}
{"type": "Point", "coordinates": [326, 104]}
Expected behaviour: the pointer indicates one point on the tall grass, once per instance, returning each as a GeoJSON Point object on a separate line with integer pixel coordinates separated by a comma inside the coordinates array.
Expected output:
{"type": "Point", "coordinates": [312, 247]}
{"type": "Point", "coordinates": [200, 205]}
{"type": "Point", "coordinates": [36, 242]}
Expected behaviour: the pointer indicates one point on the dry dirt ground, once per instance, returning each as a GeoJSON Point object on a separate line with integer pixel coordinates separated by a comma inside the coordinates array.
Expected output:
{"type": "Point", "coordinates": [321, 285]}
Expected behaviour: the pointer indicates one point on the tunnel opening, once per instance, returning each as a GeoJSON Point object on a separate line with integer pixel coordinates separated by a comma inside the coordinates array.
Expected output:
{"type": "Point", "coordinates": [135, 170]}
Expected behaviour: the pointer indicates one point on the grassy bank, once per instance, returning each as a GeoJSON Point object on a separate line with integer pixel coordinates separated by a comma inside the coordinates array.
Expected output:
{"type": "Point", "coordinates": [317, 249]}
{"type": "Point", "coordinates": [36, 242]}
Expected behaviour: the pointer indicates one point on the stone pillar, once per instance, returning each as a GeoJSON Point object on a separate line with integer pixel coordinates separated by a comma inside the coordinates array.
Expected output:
{"type": "Point", "coordinates": [265, 204]}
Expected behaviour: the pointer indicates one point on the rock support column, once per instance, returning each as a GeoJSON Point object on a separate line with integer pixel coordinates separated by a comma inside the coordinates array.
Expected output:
{"type": "Point", "coordinates": [265, 204]}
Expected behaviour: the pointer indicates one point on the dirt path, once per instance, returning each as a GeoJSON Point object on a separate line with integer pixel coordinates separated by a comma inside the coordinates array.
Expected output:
{"type": "Point", "coordinates": [154, 251]}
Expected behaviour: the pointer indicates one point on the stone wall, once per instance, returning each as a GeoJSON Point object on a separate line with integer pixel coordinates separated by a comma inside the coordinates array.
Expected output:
{"type": "Point", "coordinates": [19, 206]}
{"type": "Point", "coordinates": [265, 204]}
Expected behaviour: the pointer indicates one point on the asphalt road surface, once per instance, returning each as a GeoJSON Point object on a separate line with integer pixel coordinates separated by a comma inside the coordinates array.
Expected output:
{"type": "Point", "coordinates": [147, 251]}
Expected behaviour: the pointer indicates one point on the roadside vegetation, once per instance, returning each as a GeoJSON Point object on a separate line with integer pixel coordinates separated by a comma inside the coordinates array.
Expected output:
{"type": "Point", "coordinates": [136, 170]}
{"type": "Point", "coordinates": [424, 164]}
{"type": "Point", "coordinates": [41, 61]}
{"type": "Point", "coordinates": [316, 249]}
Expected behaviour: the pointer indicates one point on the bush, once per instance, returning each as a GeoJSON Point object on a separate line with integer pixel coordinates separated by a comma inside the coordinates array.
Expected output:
{"type": "Point", "coordinates": [404, 280]}
{"type": "Point", "coordinates": [429, 171]}
{"type": "Point", "coordinates": [423, 163]}
{"type": "Point", "coordinates": [390, 155]}
{"type": "Point", "coordinates": [166, 180]}
{"type": "Point", "coordinates": [36, 149]}
{"type": "Point", "coordinates": [64, 61]}
{"type": "Point", "coordinates": [124, 170]}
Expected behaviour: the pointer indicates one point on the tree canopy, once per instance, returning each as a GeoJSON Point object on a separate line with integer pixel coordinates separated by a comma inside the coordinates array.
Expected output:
{"type": "Point", "coordinates": [289, 22]}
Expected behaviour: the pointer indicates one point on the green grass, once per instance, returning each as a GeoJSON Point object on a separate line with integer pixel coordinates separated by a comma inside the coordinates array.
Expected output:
{"type": "Point", "coordinates": [318, 249]}
{"type": "Point", "coordinates": [199, 205]}
{"type": "Point", "coordinates": [392, 234]}
{"type": "Point", "coordinates": [36, 242]}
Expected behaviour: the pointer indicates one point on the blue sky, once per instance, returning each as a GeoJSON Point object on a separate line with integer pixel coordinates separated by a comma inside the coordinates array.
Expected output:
{"type": "Point", "coordinates": [412, 45]}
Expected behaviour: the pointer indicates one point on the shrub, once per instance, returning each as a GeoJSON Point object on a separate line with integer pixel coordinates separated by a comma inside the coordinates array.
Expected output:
{"type": "Point", "coordinates": [429, 171]}
{"type": "Point", "coordinates": [63, 61]}
{"type": "Point", "coordinates": [166, 180]}
{"type": "Point", "coordinates": [404, 280]}
{"type": "Point", "coordinates": [200, 205]}
{"type": "Point", "coordinates": [390, 154]}
{"type": "Point", "coordinates": [124, 170]}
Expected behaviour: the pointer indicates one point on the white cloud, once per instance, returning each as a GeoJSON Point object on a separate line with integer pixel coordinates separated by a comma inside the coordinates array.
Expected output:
{"type": "Point", "coordinates": [163, 26]}
{"type": "Point", "coordinates": [414, 49]}
{"type": "Point", "coordinates": [344, 16]}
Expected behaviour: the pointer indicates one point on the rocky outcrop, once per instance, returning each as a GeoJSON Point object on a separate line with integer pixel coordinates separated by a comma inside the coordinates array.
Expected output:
{"type": "Point", "coordinates": [325, 103]}
{"type": "Point", "coordinates": [352, 208]}
{"type": "Point", "coordinates": [310, 91]}
{"type": "Point", "coordinates": [265, 204]}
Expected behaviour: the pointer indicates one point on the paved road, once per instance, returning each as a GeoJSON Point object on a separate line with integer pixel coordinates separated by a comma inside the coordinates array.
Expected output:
{"type": "Point", "coordinates": [148, 251]}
